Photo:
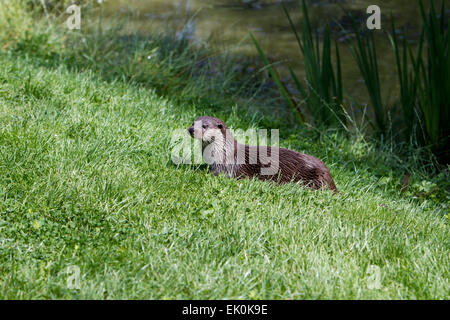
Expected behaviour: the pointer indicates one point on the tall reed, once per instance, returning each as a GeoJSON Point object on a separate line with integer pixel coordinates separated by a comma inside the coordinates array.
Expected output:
{"type": "Point", "coordinates": [365, 54]}
{"type": "Point", "coordinates": [322, 89]}
{"type": "Point", "coordinates": [434, 84]}
{"type": "Point", "coordinates": [423, 75]}
{"type": "Point", "coordinates": [424, 80]}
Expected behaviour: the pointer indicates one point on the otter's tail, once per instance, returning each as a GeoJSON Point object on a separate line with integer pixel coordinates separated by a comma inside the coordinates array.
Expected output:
{"type": "Point", "coordinates": [332, 186]}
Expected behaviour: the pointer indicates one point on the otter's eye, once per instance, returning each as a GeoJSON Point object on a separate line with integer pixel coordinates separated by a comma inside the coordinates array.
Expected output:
{"type": "Point", "coordinates": [220, 126]}
{"type": "Point", "coordinates": [204, 126]}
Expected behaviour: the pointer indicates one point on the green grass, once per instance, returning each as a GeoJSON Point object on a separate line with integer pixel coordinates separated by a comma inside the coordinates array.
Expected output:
{"type": "Point", "coordinates": [365, 54]}
{"type": "Point", "coordinates": [322, 95]}
{"type": "Point", "coordinates": [86, 180]}
{"type": "Point", "coordinates": [424, 81]}
{"type": "Point", "coordinates": [423, 72]}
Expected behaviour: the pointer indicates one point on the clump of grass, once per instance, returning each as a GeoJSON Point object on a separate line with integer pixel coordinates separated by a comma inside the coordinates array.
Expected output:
{"type": "Point", "coordinates": [365, 54]}
{"type": "Point", "coordinates": [407, 80]}
{"type": "Point", "coordinates": [424, 80]}
{"type": "Point", "coordinates": [322, 94]}
{"type": "Point", "coordinates": [276, 78]}
{"type": "Point", "coordinates": [434, 84]}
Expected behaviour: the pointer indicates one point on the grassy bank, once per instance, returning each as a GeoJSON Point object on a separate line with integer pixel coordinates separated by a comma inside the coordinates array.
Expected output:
{"type": "Point", "coordinates": [86, 183]}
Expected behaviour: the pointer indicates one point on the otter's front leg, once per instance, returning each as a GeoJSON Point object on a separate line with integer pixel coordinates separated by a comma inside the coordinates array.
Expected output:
{"type": "Point", "coordinates": [216, 170]}
{"type": "Point", "coordinates": [230, 171]}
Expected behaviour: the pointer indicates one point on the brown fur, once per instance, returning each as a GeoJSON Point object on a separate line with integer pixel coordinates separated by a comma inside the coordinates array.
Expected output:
{"type": "Point", "coordinates": [293, 166]}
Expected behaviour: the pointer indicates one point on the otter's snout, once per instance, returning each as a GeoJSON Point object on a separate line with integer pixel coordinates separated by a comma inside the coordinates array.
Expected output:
{"type": "Point", "coordinates": [191, 131]}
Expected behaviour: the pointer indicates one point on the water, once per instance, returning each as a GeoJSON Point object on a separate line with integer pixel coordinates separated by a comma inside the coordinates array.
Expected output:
{"type": "Point", "coordinates": [225, 24]}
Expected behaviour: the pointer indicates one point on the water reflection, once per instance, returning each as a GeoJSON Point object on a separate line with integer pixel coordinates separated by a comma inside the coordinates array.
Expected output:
{"type": "Point", "coordinates": [226, 24]}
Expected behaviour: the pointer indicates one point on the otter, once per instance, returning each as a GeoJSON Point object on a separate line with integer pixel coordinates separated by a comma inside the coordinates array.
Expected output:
{"type": "Point", "coordinates": [227, 156]}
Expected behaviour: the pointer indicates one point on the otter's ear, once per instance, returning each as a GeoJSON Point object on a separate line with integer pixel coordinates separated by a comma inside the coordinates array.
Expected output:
{"type": "Point", "coordinates": [220, 126]}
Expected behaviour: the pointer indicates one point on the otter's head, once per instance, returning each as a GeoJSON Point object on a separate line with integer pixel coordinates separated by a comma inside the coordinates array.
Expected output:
{"type": "Point", "coordinates": [208, 129]}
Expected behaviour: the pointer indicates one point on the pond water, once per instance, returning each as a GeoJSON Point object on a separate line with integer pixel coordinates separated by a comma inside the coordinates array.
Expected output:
{"type": "Point", "coordinates": [226, 24]}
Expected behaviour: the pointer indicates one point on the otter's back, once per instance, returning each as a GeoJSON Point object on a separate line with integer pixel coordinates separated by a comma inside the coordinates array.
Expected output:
{"type": "Point", "coordinates": [293, 166]}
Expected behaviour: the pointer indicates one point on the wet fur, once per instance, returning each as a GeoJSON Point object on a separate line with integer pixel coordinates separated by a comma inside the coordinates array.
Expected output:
{"type": "Point", "coordinates": [293, 166]}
